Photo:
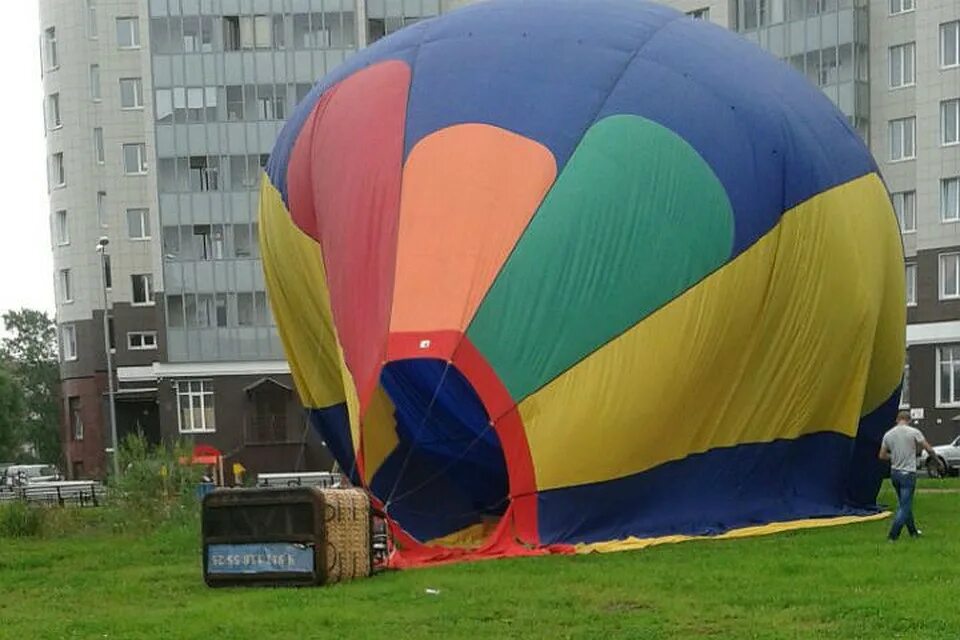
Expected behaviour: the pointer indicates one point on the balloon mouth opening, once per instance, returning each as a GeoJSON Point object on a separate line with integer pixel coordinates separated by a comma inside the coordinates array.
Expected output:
{"type": "Point", "coordinates": [446, 480]}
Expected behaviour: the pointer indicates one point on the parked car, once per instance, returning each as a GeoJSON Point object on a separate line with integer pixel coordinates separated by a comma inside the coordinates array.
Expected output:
{"type": "Point", "coordinates": [949, 455]}
{"type": "Point", "coordinates": [17, 475]}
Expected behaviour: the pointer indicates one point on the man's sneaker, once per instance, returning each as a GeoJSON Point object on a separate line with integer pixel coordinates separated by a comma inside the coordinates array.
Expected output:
{"type": "Point", "coordinates": [917, 534]}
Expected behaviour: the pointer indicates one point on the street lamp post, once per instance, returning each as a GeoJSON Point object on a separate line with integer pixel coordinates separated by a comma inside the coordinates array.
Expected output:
{"type": "Point", "coordinates": [102, 250]}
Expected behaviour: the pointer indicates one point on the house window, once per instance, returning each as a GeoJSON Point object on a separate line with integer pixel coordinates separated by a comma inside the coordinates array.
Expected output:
{"type": "Point", "coordinates": [128, 33]}
{"type": "Point", "coordinates": [58, 173]}
{"type": "Point", "coordinates": [138, 224]}
{"type": "Point", "coordinates": [53, 111]}
{"type": "Point", "coordinates": [102, 208]}
{"type": "Point", "coordinates": [948, 375]}
{"type": "Point", "coordinates": [245, 312]}
{"type": "Point", "coordinates": [950, 199]}
{"type": "Point", "coordinates": [111, 335]}
{"type": "Point", "coordinates": [264, 319]}
{"type": "Point", "coordinates": [905, 388]}
{"type": "Point", "coordinates": [107, 272]}
{"type": "Point", "coordinates": [50, 40]}
{"type": "Point", "coordinates": [900, 6]}
{"type": "Point", "coordinates": [61, 227]}
{"type": "Point", "coordinates": [142, 340]}
{"type": "Point", "coordinates": [98, 151]}
{"type": "Point", "coordinates": [902, 65]}
{"type": "Point", "coordinates": [905, 204]}
{"type": "Point", "coordinates": [68, 342]}
{"type": "Point", "coordinates": [131, 93]}
{"type": "Point", "coordinates": [134, 159]}
{"type": "Point", "coordinates": [310, 31]}
{"type": "Point", "coordinates": [195, 406]}
{"type": "Point", "coordinates": [95, 94]}
{"type": "Point", "coordinates": [949, 276]}
{"type": "Point", "coordinates": [76, 420]}
{"type": "Point", "coordinates": [66, 286]}
{"type": "Point", "coordinates": [911, 283]}
{"type": "Point", "coordinates": [700, 14]}
{"type": "Point", "coordinates": [950, 44]}
{"type": "Point", "coordinates": [950, 121]}
{"type": "Point", "coordinates": [142, 288]}
{"type": "Point", "coordinates": [92, 31]}
{"type": "Point", "coordinates": [208, 241]}
{"type": "Point", "coordinates": [902, 139]}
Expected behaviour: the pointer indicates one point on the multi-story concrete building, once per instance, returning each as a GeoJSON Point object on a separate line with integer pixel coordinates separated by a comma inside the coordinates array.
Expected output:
{"type": "Point", "coordinates": [160, 116]}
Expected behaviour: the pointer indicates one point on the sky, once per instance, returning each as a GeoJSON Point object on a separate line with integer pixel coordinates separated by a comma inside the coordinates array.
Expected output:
{"type": "Point", "coordinates": [26, 265]}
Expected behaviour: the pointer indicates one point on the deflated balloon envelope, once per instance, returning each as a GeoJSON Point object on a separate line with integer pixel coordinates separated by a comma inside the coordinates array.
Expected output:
{"type": "Point", "coordinates": [556, 273]}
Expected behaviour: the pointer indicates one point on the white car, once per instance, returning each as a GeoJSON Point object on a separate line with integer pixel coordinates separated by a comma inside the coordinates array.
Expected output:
{"type": "Point", "coordinates": [22, 474]}
{"type": "Point", "coordinates": [949, 455]}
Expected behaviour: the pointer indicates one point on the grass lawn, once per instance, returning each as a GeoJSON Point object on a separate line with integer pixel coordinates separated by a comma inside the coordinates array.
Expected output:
{"type": "Point", "coordinates": [841, 582]}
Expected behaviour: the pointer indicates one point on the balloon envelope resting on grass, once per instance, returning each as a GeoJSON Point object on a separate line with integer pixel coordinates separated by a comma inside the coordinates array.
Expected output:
{"type": "Point", "coordinates": [555, 273]}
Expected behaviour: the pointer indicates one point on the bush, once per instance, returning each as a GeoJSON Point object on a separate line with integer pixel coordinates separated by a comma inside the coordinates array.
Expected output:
{"type": "Point", "coordinates": [153, 487]}
{"type": "Point", "coordinates": [21, 520]}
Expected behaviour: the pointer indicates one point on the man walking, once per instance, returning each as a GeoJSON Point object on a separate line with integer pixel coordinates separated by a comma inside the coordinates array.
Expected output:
{"type": "Point", "coordinates": [900, 446]}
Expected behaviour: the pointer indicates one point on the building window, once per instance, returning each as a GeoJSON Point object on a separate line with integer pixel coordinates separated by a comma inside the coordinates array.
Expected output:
{"type": "Point", "coordinates": [107, 272]}
{"type": "Point", "coordinates": [175, 311]}
{"type": "Point", "coordinates": [247, 32]}
{"type": "Point", "coordinates": [134, 159]}
{"type": "Point", "coordinates": [99, 153]}
{"type": "Point", "coordinates": [245, 311]}
{"type": "Point", "coordinates": [138, 224]}
{"type": "Point", "coordinates": [270, 418]}
{"type": "Point", "coordinates": [142, 340]}
{"type": "Point", "coordinates": [950, 199]}
{"type": "Point", "coordinates": [66, 286]}
{"type": "Point", "coordinates": [245, 241]}
{"type": "Point", "coordinates": [195, 406]}
{"type": "Point", "coordinates": [903, 65]}
{"type": "Point", "coordinates": [53, 111]}
{"type": "Point", "coordinates": [905, 204]}
{"type": "Point", "coordinates": [128, 33]}
{"type": "Point", "coordinates": [208, 241]}
{"type": "Point", "coordinates": [905, 388]}
{"type": "Point", "coordinates": [95, 93]}
{"type": "Point", "coordinates": [948, 375]}
{"type": "Point", "coordinates": [61, 227]}
{"type": "Point", "coordinates": [58, 174]}
{"type": "Point", "coordinates": [950, 44]}
{"type": "Point", "coordinates": [310, 31]}
{"type": "Point", "coordinates": [50, 42]}
{"type": "Point", "coordinates": [131, 93]}
{"type": "Point", "coordinates": [68, 342]}
{"type": "Point", "coordinates": [949, 276]}
{"type": "Point", "coordinates": [902, 139]}
{"type": "Point", "coordinates": [272, 102]}
{"type": "Point", "coordinates": [76, 420]}
{"type": "Point", "coordinates": [950, 121]}
{"type": "Point", "coordinates": [700, 14]}
{"type": "Point", "coordinates": [142, 288]}
{"type": "Point", "coordinates": [92, 30]}
{"type": "Point", "coordinates": [911, 282]}
{"type": "Point", "coordinates": [900, 6]}
{"type": "Point", "coordinates": [102, 208]}
{"type": "Point", "coordinates": [204, 173]}
{"type": "Point", "coordinates": [111, 335]}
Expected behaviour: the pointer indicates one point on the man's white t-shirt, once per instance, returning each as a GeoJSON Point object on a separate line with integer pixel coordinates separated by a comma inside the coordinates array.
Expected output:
{"type": "Point", "coordinates": [901, 442]}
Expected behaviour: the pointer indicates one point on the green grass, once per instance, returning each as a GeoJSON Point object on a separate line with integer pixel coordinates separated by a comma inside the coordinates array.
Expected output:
{"type": "Point", "coordinates": [841, 582]}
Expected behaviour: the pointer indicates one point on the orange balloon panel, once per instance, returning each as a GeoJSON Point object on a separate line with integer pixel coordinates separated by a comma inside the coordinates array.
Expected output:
{"type": "Point", "coordinates": [468, 193]}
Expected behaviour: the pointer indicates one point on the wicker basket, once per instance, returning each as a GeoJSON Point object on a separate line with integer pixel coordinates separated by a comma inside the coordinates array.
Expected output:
{"type": "Point", "coordinates": [347, 553]}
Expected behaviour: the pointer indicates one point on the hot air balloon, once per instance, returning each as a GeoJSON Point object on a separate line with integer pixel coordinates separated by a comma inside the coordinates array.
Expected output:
{"type": "Point", "coordinates": [560, 276]}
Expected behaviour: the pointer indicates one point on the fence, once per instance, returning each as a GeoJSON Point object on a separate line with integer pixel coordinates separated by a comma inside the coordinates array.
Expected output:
{"type": "Point", "coordinates": [78, 493]}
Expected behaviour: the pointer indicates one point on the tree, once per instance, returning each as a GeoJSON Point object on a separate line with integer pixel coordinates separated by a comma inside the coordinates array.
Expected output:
{"type": "Point", "coordinates": [30, 354]}
{"type": "Point", "coordinates": [11, 415]}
